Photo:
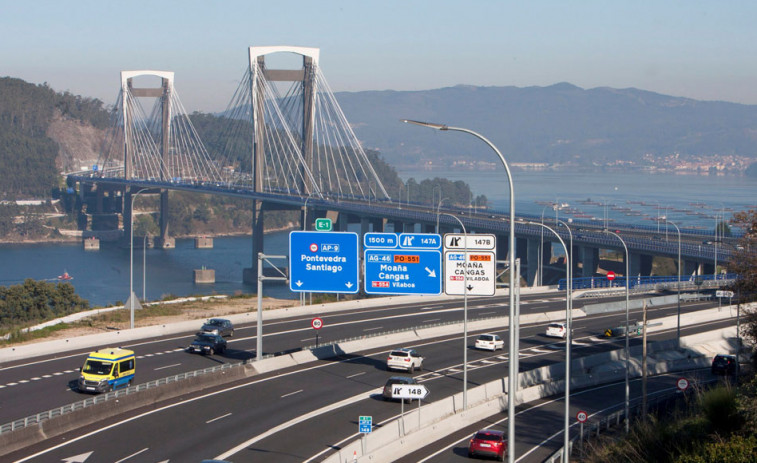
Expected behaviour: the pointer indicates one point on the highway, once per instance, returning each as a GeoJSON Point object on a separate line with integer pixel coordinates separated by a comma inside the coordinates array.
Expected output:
{"type": "Point", "coordinates": [281, 416]}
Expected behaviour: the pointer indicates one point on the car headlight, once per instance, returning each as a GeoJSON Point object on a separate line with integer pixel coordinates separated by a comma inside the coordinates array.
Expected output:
{"type": "Point", "coordinates": [81, 378]}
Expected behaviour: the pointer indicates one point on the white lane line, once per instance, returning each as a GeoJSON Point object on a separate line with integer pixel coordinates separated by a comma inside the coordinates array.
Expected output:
{"type": "Point", "coordinates": [149, 355]}
{"type": "Point", "coordinates": [577, 343]}
{"type": "Point", "coordinates": [373, 329]}
{"type": "Point", "coordinates": [177, 350]}
{"type": "Point", "coordinates": [2, 386]}
{"type": "Point", "coordinates": [57, 373]}
{"type": "Point", "coordinates": [12, 384]}
{"type": "Point", "coordinates": [426, 308]}
{"type": "Point", "coordinates": [489, 362]}
{"type": "Point", "coordinates": [308, 339]}
{"type": "Point", "coordinates": [292, 393]}
{"type": "Point", "coordinates": [36, 378]}
{"type": "Point", "coordinates": [218, 418]}
{"type": "Point", "coordinates": [23, 381]}
{"type": "Point", "coordinates": [501, 357]}
{"type": "Point", "coordinates": [158, 353]}
{"type": "Point", "coordinates": [356, 374]}
{"type": "Point", "coordinates": [432, 320]}
{"type": "Point", "coordinates": [167, 366]}
{"type": "Point", "coordinates": [68, 371]}
{"type": "Point", "coordinates": [47, 376]}
{"type": "Point", "coordinates": [487, 313]}
{"type": "Point", "coordinates": [133, 455]}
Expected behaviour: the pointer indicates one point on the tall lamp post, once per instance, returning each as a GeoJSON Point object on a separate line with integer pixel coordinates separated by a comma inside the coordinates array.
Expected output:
{"type": "Point", "coordinates": [678, 329]}
{"type": "Point", "coordinates": [144, 267]}
{"type": "Point", "coordinates": [513, 323]}
{"type": "Point", "coordinates": [627, 353]}
{"type": "Point", "coordinates": [568, 335]}
{"type": "Point", "coordinates": [438, 207]}
{"type": "Point", "coordinates": [131, 257]}
{"type": "Point", "coordinates": [465, 313]}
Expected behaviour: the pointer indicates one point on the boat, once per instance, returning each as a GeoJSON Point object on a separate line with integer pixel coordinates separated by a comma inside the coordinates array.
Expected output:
{"type": "Point", "coordinates": [65, 277]}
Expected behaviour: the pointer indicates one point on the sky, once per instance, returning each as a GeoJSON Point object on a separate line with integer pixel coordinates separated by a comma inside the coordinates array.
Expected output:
{"type": "Point", "coordinates": [697, 49]}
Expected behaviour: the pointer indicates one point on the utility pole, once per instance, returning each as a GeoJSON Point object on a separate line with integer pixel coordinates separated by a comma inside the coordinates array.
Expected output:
{"type": "Point", "coordinates": [644, 364]}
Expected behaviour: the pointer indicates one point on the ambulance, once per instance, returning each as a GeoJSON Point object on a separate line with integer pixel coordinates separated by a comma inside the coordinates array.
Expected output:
{"type": "Point", "coordinates": [107, 369]}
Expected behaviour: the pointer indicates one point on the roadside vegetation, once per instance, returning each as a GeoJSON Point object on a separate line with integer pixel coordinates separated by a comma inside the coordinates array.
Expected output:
{"type": "Point", "coordinates": [715, 425]}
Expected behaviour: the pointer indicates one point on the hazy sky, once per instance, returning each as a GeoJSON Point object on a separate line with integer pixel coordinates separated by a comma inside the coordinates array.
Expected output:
{"type": "Point", "coordinates": [698, 49]}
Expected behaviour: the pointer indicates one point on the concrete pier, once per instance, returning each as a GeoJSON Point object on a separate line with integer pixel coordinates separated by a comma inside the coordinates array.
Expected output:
{"type": "Point", "coordinates": [204, 276]}
{"type": "Point", "coordinates": [203, 242]}
{"type": "Point", "coordinates": [91, 244]}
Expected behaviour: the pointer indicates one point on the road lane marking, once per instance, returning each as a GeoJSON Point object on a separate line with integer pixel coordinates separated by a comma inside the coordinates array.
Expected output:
{"type": "Point", "coordinates": [487, 313]}
{"type": "Point", "coordinates": [308, 339]}
{"type": "Point", "coordinates": [373, 329]}
{"type": "Point", "coordinates": [356, 374]}
{"type": "Point", "coordinates": [432, 320]}
{"type": "Point", "coordinates": [167, 366]}
{"type": "Point", "coordinates": [133, 455]}
{"type": "Point", "coordinates": [292, 393]}
{"type": "Point", "coordinates": [218, 418]}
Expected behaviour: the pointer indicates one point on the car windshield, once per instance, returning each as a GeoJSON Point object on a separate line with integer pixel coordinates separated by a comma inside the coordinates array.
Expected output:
{"type": "Point", "coordinates": [215, 322]}
{"type": "Point", "coordinates": [96, 367]}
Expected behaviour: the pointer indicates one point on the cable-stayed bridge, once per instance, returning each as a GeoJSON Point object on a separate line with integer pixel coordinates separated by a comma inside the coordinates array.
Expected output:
{"type": "Point", "coordinates": [286, 144]}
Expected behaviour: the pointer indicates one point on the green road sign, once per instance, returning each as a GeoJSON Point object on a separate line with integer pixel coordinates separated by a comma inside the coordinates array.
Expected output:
{"type": "Point", "coordinates": [322, 224]}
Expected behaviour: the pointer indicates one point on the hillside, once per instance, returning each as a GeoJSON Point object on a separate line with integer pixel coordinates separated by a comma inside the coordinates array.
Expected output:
{"type": "Point", "coordinates": [35, 123]}
{"type": "Point", "coordinates": [560, 123]}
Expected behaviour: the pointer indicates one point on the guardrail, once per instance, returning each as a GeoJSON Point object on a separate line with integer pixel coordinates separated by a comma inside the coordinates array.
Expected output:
{"type": "Point", "coordinates": [633, 282]}
{"type": "Point", "coordinates": [40, 417]}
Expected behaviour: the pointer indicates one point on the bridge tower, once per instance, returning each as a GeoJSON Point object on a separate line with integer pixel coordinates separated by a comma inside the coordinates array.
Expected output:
{"type": "Point", "coordinates": [306, 76]}
{"type": "Point", "coordinates": [128, 93]}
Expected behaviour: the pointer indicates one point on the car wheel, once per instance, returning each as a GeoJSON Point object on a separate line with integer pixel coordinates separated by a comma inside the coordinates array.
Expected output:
{"type": "Point", "coordinates": [420, 367]}
{"type": "Point", "coordinates": [502, 457]}
{"type": "Point", "coordinates": [411, 369]}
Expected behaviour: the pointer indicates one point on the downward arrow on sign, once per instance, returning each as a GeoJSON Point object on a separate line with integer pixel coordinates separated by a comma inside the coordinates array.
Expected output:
{"type": "Point", "coordinates": [298, 283]}
{"type": "Point", "coordinates": [348, 285]}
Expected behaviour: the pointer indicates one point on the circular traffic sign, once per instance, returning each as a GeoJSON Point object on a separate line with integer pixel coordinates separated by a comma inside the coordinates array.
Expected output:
{"type": "Point", "coordinates": [610, 275]}
{"type": "Point", "coordinates": [317, 323]}
{"type": "Point", "coordinates": [582, 416]}
{"type": "Point", "coordinates": [313, 247]}
{"type": "Point", "coordinates": [682, 384]}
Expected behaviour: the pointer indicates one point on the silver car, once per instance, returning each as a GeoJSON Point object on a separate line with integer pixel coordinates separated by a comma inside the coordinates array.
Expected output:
{"type": "Point", "coordinates": [220, 326]}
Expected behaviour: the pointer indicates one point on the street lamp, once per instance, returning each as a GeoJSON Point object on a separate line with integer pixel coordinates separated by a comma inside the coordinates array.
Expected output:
{"type": "Point", "coordinates": [627, 353]}
{"type": "Point", "coordinates": [438, 206]}
{"type": "Point", "coordinates": [678, 330]}
{"type": "Point", "coordinates": [465, 312]}
{"type": "Point", "coordinates": [131, 257]}
{"type": "Point", "coordinates": [144, 267]}
{"type": "Point", "coordinates": [568, 337]}
{"type": "Point", "coordinates": [513, 323]}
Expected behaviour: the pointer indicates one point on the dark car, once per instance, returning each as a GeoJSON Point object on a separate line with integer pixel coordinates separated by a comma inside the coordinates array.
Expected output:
{"type": "Point", "coordinates": [219, 326]}
{"type": "Point", "coordinates": [488, 443]}
{"type": "Point", "coordinates": [206, 343]}
{"type": "Point", "coordinates": [724, 365]}
{"type": "Point", "coordinates": [387, 394]}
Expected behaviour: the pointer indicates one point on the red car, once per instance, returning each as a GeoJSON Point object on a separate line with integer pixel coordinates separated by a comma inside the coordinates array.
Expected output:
{"type": "Point", "coordinates": [488, 443]}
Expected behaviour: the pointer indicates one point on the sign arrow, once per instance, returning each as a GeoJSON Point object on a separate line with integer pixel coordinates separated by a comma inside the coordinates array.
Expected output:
{"type": "Point", "coordinates": [348, 284]}
{"type": "Point", "coordinates": [298, 283]}
{"type": "Point", "coordinates": [431, 273]}
{"type": "Point", "coordinates": [470, 287]}
{"type": "Point", "coordinates": [78, 458]}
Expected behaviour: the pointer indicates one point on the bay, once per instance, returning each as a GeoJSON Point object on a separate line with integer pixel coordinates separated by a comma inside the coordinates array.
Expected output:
{"type": "Point", "coordinates": [102, 277]}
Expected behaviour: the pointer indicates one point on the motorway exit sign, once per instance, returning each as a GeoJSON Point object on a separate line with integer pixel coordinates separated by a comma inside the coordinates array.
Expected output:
{"type": "Point", "coordinates": [469, 264]}
{"type": "Point", "coordinates": [409, 263]}
{"type": "Point", "coordinates": [323, 262]}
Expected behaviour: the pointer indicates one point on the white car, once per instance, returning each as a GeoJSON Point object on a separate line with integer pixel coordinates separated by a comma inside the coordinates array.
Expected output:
{"type": "Point", "coordinates": [557, 330]}
{"type": "Point", "coordinates": [490, 342]}
{"type": "Point", "coordinates": [404, 359]}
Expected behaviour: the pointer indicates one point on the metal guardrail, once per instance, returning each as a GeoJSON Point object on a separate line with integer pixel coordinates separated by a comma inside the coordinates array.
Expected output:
{"type": "Point", "coordinates": [633, 282]}
{"type": "Point", "coordinates": [89, 402]}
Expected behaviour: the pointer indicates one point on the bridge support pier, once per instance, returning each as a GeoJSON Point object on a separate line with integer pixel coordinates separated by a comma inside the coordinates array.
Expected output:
{"type": "Point", "coordinates": [691, 267]}
{"type": "Point", "coordinates": [250, 275]}
{"type": "Point", "coordinates": [589, 260]}
{"type": "Point", "coordinates": [640, 264]}
{"type": "Point", "coordinates": [165, 241]}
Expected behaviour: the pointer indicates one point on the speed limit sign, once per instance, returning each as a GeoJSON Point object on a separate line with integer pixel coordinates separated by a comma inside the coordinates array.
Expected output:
{"type": "Point", "coordinates": [682, 384]}
{"type": "Point", "coordinates": [582, 416]}
{"type": "Point", "coordinates": [317, 323]}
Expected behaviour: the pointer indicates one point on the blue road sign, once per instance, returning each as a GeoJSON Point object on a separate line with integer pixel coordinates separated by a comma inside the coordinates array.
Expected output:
{"type": "Point", "coordinates": [403, 271]}
{"type": "Point", "coordinates": [380, 240]}
{"type": "Point", "coordinates": [420, 241]}
{"type": "Point", "coordinates": [365, 424]}
{"type": "Point", "coordinates": [323, 262]}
